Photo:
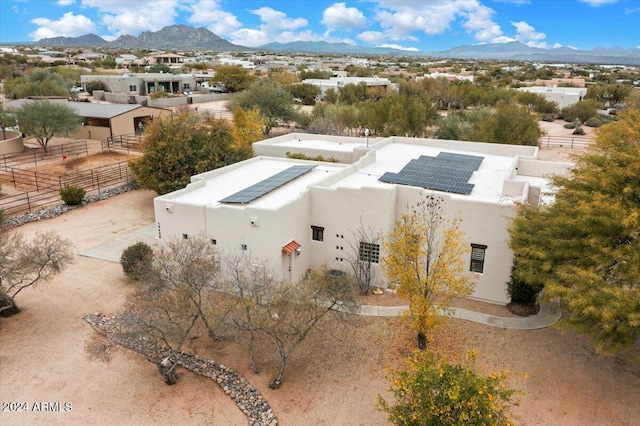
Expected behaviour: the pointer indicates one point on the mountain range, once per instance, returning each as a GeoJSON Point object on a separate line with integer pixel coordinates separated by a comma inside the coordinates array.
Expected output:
{"type": "Point", "coordinates": [189, 38]}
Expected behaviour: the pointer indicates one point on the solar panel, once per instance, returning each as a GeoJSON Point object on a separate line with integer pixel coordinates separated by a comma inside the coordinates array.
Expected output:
{"type": "Point", "coordinates": [447, 172]}
{"type": "Point", "coordinates": [267, 185]}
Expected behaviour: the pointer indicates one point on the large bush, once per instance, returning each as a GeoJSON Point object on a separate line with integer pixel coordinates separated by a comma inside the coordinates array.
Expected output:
{"type": "Point", "coordinates": [430, 391]}
{"type": "Point", "coordinates": [136, 260]}
{"type": "Point", "coordinates": [72, 195]}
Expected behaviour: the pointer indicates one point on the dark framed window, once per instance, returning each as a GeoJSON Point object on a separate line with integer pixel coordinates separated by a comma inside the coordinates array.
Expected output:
{"type": "Point", "coordinates": [133, 88]}
{"type": "Point", "coordinates": [243, 247]}
{"type": "Point", "coordinates": [214, 241]}
{"type": "Point", "coordinates": [185, 236]}
{"type": "Point", "coordinates": [477, 258]}
{"type": "Point", "coordinates": [317, 233]}
{"type": "Point", "coordinates": [369, 252]}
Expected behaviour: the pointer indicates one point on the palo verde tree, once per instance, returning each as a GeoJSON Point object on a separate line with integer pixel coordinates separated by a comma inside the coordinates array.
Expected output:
{"type": "Point", "coordinates": [275, 104]}
{"type": "Point", "coordinates": [234, 78]}
{"type": "Point", "coordinates": [25, 264]}
{"type": "Point", "coordinates": [425, 262]}
{"type": "Point", "coordinates": [7, 119]}
{"type": "Point", "coordinates": [44, 120]}
{"type": "Point", "coordinates": [585, 247]}
{"type": "Point", "coordinates": [431, 391]}
{"type": "Point", "coordinates": [178, 147]}
{"type": "Point", "coordinates": [247, 129]}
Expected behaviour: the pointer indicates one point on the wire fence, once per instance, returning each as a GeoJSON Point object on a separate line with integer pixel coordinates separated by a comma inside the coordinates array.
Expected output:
{"type": "Point", "coordinates": [564, 142]}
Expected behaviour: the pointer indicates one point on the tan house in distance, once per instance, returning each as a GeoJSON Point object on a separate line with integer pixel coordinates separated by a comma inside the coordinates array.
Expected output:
{"type": "Point", "coordinates": [102, 121]}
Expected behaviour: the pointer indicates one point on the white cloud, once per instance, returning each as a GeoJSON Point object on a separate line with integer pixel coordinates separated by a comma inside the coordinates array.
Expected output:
{"type": "Point", "coordinates": [338, 16]}
{"type": "Point", "coordinates": [596, 3]}
{"type": "Point", "coordinates": [15, 9]}
{"type": "Point", "coordinates": [372, 37]}
{"type": "Point", "coordinates": [65, 2]}
{"type": "Point", "coordinates": [69, 25]}
{"type": "Point", "coordinates": [398, 47]}
{"type": "Point", "coordinates": [209, 14]}
{"type": "Point", "coordinates": [399, 19]}
{"type": "Point", "coordinates": [128, 17]}
{"type": "Point", "coordinates": [274, 26]}
{"type": "Point", "coordinates": [556, 45]}
{"type": "Point", "coordinates": [528, 35]}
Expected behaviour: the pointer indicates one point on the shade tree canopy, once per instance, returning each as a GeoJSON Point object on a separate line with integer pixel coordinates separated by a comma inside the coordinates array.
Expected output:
{"type": "Point", "coordinates": [585, 247]}
{"type": "Point", "coordinates": [44, 120]}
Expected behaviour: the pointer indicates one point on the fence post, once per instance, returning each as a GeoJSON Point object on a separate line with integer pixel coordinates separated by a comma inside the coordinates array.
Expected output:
{"type": "Point", "coordinates": [98, 181]}
{"type": "Point", "coordinates": [86, 147]}
{"type": "Point", "coordinates": [35, 175]}
{"type": "Point", "coordinates": [572, 143]}
{"type": "Point", "coordinates": [60, 182]}
{"type": "Point", "coordinates": [13, 177]}
{"type": "Point", "coordinates": [28, 202]}
{"type": "Point", "coordinates": [93, 185]}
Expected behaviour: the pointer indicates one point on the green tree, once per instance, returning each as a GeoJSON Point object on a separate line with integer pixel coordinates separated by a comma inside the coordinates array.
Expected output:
{"type": "Point", "coordinates": [536, 102]}
{"type": "Point", "coordinates": [580, 111]}
{"type": "Point", "coordinates": [176, 148]}
{"type": "Point", "coordinates": [233, 77]}
{"type": "Point", "coordinates": [585, 247]}
{"type": "Point", "coordinates": [305, 92]}
{"type": "Point", "coordinates": [92, 85]}
{"type": "Point", "coordinates": [425, 261]}
{"type": "Point", "coordinates": [274, 103]}
{"type": "Point", "coordinates": [38, 83]}
{"type": "Point", "coordinates": [510, 124]}
{"type": "Point", "coordinates": [430, 391]}
{"type": "Point", "coordinates": [44, 120]}
{"type": "Point", "coordinates": [7, 119]}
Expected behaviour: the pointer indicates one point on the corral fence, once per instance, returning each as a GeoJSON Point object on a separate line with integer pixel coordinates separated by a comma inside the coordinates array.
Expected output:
{"type": "Point", "coordinates": [36, 190]}
{"type": "Point", "coordinates": [563, 142]}
{"type": "Point", "coordinates": [41, 190]}
{"type": "Point", "coordinates": [128, 143]}
{"type": "Point", "coordinates": [33, 156]}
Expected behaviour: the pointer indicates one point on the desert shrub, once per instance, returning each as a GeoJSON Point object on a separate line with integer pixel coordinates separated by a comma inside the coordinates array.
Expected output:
{"type": "Point", "coordinates": [92, 85]}
{"type": "Point", "coordinates": [158, 94]}
{"type": "Point", "coordinates": [578, 131]}
{"type": "Point", "coordinates": [570, 126]}
{"type": "Point", "coordinates": [522, 293]}
{"type": "Point", "coordinates": [593, 122]}
{"type": "Point", "coordinates": [72, 195]}
{"type": "Point", "coordinates": [136, 260]}
{"type": "Point", "coordinates": [430, 391]}
{"type": "Point", "coordinates": [550, 118]}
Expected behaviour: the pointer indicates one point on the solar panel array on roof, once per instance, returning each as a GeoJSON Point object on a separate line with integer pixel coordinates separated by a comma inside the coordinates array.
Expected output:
{"type": "Point", "coordinates": [267, 185]}
{"type": "Point", "coordinates": [448, 172]}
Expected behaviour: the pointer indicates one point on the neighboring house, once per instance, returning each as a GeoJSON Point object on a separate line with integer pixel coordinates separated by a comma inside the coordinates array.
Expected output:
{"type": "Point", "coordinates": [465, 76]}
{"type": "Point", "coordinates": [563, 96]}
{"type": "Point", "coordinates": [125, 60]}
{"type": "Point", "coordinates": [143, 83]}
{"type": "Point", "coordinates": [292, 215]}
{"type": "Point", "coordinates": [102, 121]}
{"type": "Point", "coordinates": [336, 83]}
{"type": "Point", "coordinates": [166, 58]}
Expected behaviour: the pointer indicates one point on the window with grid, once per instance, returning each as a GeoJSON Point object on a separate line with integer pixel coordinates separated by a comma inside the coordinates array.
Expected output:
{"type": "Point", "coordinates": [369, 252]}
{"type": "Point", "coordinates": [317, 233]}
{"type": "Point", "coordinates": [133, 88]}
{"type": "Point", "coordinates": [477, 258]}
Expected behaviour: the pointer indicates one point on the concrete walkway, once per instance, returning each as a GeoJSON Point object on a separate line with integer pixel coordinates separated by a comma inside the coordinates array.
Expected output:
{"type": "Point", "coordinates": [548, 315]}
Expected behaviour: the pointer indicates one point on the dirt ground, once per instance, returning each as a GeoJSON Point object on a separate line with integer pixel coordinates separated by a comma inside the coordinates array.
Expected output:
{"type": "Point", "coordinates": [331, 381]}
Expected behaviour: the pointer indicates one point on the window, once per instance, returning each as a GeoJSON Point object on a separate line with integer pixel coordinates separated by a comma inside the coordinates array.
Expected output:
{"type": "Point", "coordinates": [243, 247]}
{"type": "Point", "coordinates": [214, 242]}
{"type": "Point", "coordinates": [477, 258]}
{"type": "Point", "coordinates": [133, 88]}
{"type": "Point", "coordinates": [369, 252]}
{"type": "Point", "coordinates": [317, 233]}
{"type": "Point", "coordinates": [185, 236]}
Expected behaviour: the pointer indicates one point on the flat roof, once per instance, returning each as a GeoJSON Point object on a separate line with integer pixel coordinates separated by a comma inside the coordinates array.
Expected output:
{"type": "Point", "coordinates": [216, 187]}
{"type": "Point", "coordinates": [86, 109]}
{"type": "Point", "coordinates": [487, 180]}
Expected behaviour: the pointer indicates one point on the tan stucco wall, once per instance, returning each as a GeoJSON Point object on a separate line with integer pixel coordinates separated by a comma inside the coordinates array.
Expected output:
{"type": "Point", "coordinates": [13, 144]}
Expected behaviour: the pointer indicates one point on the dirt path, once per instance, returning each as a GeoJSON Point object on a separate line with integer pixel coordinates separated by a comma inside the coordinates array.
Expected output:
{"type": "Point", "coordinates": [333, 381]}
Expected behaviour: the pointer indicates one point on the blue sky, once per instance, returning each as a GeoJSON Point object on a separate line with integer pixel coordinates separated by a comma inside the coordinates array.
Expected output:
{"type": "Point", "coordinates": [418, 25]}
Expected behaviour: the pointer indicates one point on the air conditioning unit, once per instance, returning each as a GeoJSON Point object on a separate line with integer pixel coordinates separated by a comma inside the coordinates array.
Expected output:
{"type": "Point", "coordinates": [254, 221]}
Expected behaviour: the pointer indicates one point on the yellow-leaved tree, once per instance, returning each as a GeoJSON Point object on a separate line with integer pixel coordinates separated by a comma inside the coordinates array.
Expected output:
{"type": "Point", "coordinates": [247, 128]}
{"type": "Point", "coordinates": [424, 260]}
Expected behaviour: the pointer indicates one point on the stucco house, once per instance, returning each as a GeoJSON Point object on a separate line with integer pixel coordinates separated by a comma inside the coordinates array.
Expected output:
{"type": "Point", "coordinates": [292, 215]}
{"type": "Point", "coordinates": [563, 96]}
